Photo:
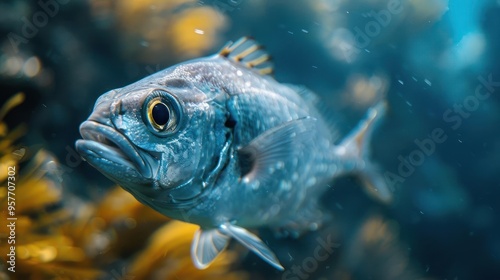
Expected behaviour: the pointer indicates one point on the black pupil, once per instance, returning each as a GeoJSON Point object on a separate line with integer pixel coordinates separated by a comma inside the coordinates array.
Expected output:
{"type": "Point", "coordinates": [160, 114]}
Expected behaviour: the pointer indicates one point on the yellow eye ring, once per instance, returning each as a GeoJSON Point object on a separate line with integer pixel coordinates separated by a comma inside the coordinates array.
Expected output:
{"type": "Point", "coordinates": [160, 115]}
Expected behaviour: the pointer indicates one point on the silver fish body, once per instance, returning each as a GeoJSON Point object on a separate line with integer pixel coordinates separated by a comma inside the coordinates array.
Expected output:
{"type": "Point", "coordinates": [218, 143]}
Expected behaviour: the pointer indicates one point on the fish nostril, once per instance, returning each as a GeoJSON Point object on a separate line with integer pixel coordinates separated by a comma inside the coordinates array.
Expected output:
{"type": "Point", "coordinates": [121, 109]}
{"type": "Point", "coordinates": [118, 108]}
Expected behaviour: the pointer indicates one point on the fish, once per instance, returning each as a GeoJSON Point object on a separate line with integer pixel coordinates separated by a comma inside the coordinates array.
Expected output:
{"type": "Point", "coordinates": [217, 141]}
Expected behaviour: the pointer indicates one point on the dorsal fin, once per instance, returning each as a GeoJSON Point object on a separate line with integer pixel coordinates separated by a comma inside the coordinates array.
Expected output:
{"type": "Point", "coordinates": [247, 52]}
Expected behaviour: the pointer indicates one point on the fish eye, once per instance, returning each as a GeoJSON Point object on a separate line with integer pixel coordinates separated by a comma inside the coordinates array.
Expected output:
{"type": "Point", "coordinates": [162, 112]}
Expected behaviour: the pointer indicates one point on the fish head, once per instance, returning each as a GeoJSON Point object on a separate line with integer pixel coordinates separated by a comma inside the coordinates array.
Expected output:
{"type": "Point", "coordinates": [161, 141]}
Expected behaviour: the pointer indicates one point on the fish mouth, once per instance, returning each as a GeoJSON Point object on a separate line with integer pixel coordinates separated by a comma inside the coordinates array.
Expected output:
{"type": "Point", "coordinates": [104, 145]}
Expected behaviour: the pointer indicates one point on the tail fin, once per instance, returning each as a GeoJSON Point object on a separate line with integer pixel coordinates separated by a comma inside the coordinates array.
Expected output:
{"type": "Point", "coordinates": [356, 148]}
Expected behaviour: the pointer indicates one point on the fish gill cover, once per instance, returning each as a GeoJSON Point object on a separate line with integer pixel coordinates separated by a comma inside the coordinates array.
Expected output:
{"type": "Point", "coordinates": [435, 62]}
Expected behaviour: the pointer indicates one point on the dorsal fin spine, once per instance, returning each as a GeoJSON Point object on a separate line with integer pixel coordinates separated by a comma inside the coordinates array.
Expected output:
{"type": "Point", "coordinates": [266, 71]}
{"type": "Point", "coordinates": [230, 47]}
{"type": "Point", "coordinates": [225, 51]}
{"type": "Point", "coordinates": [261, 59]}
{"type": "Point", "coordinates": [246, 52]}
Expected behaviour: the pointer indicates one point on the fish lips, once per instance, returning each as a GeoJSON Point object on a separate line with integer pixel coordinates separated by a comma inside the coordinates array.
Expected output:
{"type": "Point", "coordinates": [113, 154]}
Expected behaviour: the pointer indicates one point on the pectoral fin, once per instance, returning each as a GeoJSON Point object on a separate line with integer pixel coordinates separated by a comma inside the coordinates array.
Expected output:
{"type": "Point", "coordinates": [252, 242]}
{"type": "Point", "coordinates": [280, 143]}
{"type": "Point", "coordinates": [207, 245]}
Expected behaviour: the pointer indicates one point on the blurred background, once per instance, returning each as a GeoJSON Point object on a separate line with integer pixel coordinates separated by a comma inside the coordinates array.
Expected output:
{"type": "Point", "coordinates": [435, 61]}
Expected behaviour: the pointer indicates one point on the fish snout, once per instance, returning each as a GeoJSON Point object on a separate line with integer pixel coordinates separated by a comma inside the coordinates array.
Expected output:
{"type": "Point", "coordinates": [101, 114]}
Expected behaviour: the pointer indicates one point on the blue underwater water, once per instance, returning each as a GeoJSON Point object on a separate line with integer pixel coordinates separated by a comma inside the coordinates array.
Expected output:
{"type": "Point", "coordinates": [436, 62]}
